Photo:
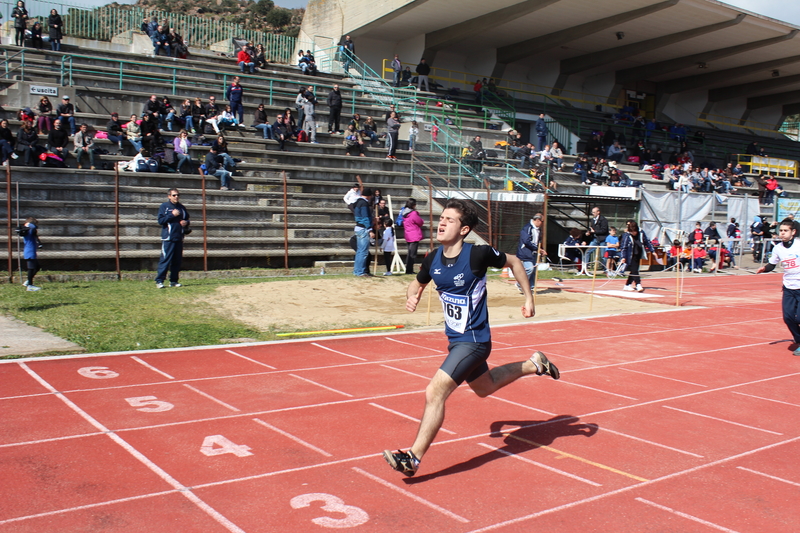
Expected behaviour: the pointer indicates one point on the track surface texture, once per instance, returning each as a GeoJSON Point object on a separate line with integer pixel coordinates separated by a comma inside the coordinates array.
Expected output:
{"type": "Point", "coordinates": [683, 420]}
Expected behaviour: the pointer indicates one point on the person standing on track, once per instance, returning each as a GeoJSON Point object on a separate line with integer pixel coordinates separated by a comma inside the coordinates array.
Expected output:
{"type": "Point", "coordinates": [633, 247]}
{"type": "Point", "coordinates": [530, 248]}
{"type": "Point", "coordinates": [174, 220]}
{"type": "Point", "coordinates": [787, 253]}
{"type": "Point", "coordinates": [459, 271]}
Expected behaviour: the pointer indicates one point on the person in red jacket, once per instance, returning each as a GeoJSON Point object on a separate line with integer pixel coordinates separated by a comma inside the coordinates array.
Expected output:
{"type": "Point", "coordinates": [245, 60]}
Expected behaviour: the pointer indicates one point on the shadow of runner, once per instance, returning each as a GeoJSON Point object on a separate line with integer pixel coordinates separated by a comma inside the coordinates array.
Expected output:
{"type": "Point", "coordinates": [527, 435]}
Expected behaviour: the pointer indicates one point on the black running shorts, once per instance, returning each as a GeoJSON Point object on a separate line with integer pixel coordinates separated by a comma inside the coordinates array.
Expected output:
{"type": "Point", "coordinates": [466, 360]}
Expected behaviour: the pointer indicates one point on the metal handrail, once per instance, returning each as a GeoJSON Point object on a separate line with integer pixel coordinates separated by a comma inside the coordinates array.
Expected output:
{"type": "Point", "coordinates": [7, 62]}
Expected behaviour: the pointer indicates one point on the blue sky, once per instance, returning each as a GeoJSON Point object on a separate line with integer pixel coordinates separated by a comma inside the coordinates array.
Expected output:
{"type": "Point", "coordinates": [785, 10]}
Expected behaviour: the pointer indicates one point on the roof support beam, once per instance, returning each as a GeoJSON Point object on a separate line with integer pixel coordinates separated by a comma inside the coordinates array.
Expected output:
{"type": "Point", "coordinates": [468, 29]}
{"type": "Point", "coordinates": [644, 72]}
{"type": "Point", "coordinates": [689, 83]}
{"type": "Point", "coordinates": [746, 89]}
{"type": "Point", "coordinates": [517, 51]}
{"type": "Point", "coordinates": [770, 100]}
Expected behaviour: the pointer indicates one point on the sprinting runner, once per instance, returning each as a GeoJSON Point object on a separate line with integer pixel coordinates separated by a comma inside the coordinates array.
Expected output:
{"type": "Point", "coordinates": [459, 271]}
{"type": "Point", "coordinates": [787, 253]}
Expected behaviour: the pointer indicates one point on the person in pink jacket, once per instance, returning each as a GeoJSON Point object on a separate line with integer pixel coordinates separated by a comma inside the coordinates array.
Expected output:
{"type": "Point", "coordinates": [412, 230]}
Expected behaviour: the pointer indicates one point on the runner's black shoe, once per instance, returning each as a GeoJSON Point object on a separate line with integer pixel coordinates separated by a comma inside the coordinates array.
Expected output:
{"type": "Point", "coordinates": [544, 366]}
{"type": "Point", "coordinates": [404, 462]}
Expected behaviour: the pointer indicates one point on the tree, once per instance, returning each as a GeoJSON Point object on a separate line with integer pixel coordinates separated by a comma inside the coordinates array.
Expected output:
{"type": "Point", "coordinates": [262, 7]}
{"type": "Point", "coordinates": [279, 17]}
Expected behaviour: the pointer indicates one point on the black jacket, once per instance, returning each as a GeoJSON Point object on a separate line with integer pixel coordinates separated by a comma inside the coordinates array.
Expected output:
{"type": "Point", "coordinates": [423, 69]}
{"type": "Point", "coordinates": [600, 227]}
{"type": "Point", "coordinates": [335, 99]}
{"type": "Point", "coordinates": [57, 138]}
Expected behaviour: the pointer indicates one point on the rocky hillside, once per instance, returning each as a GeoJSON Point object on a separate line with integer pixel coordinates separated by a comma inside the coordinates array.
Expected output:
{"type": "Point", "coordinates": [261, 15]}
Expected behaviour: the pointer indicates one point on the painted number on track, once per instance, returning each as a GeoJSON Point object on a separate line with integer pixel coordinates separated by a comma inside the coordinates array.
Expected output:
{"type": "Point", "coordinates": [149, 404]}
{"type": "Point", "coordinates": [97, 372]}
{"type": "Point", "coordinates": [353, 516]}
{"type": "Point", "coordinates": [219, 445]}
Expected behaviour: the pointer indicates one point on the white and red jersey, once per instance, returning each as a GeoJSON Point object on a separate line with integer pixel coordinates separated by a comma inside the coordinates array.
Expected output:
{"type": "Point", "coordinates": [789, 260]}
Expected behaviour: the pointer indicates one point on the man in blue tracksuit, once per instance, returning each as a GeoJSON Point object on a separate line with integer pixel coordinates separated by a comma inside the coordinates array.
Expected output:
{"type": "Point", "coordinates": [174, 220]}
{"type": "Point", "coordinates": [541, 132]}
{"type": "Point", "coordinates": [234, 96]}
{"type": "Point", "coordinates": [529, 248]}
{"type": "Point", "coordinates": [31, 238]}
{"type": "Point", "coordinates": [363, 232]}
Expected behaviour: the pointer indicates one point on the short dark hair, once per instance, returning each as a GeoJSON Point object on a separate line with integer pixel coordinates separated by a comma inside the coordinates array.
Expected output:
{"type": "Point", "coordinates": [469, 215]}
{"type": "Point", "coordinates": [366, 192]}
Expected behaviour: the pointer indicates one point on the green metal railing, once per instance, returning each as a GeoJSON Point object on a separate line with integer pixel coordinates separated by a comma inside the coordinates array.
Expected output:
{"type": "Point", "coordinates": [104, 23]}
{"type": "Point", "coordinates": [9, 69]}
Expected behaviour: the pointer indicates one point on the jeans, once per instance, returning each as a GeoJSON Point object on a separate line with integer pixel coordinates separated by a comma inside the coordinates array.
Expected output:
{"type": "Point", "coordinates": [542, 142]}
{"type": "Point", "coordinates": [266, 129]}
{"type": "Point", "coordinates": [411, 140]}
{"type": "Point", "coordinates": [597, 241]}
{"type": "Point", "coordinates": [169, 119]}
{"type": "Point", "coordinates": [137, 144]}
{"type": "Point", "coordinates": [250, 65]}
{"type": "Point", "coordinates": [157, 47]}
{"type": "Point", "coordinates": [228, 162]}
{"type": "Point", "coordinates": [5, 150]}
{"type": "Point", "coordinates": [71, 120]}
{"type": "Point", "coordinates": [224, 177]}
{"type": "Point", "coordinates": [182, 158]}
{"type": "Point", "coordinates": [55, 45]}
{"type": "Point", "coordinates": [79, 154]}
{"type": "Point", "coordinates": [362, 251]}
{"type": "Point", "coordinates": [189, 122]}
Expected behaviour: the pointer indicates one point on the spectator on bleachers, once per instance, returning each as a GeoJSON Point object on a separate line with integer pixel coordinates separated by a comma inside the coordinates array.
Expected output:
{"type": "Point", "coordinates": [145, 26]}
{"type": "Point", "coordinates": [134, 133]}
{"type": "Point", "coordinates": [353, 142]}
{"type": "Point", "coordinates": [168, 114]}
{"type": "Point", "coordinates": [213, 168]}
{"type": "Point", "coordinates": [227, 118]}
{"type": "Point", "coordinates": [335, 113]}
{"type": "Point", "coordinates": [152, 107]}
{"type": "Point", "coordinates": [612, 249]}
{"type": "Point", "coordinates": [397, 70]}
{"type": "Point", "coordinates": [198, 118]}
{"type": "Point", "coordinates": [423, 70]}
{"type": "Point", "coordinates": [581, 169]}
{"type": "Point", "coordinates": [650, 128]}
{"type": "Point", "coordinates": [177, 45]}
{"type": "Point", "coordinates": [545, 158]}
{"type": "Point", "coordinates": [412, 226]}
{"type": "Point", "coordinates": [711, 232]}
{"type": "Point", "coordinates": [558, 157]}
{"type": "Point", "coordinates": [347, 49]}
{"type": "Point", "coordinates": [184, 112]}
{"type": "Point", "coordinates": [311, 70]}
{"type": "Point", "coordinates": [66, 111]}
{"type": "Point", "coordinates": [28, 144]}
{"type": "Point", "coordinates": [55, 28]}
{"type": "Point", "coordinates": [683, 182]}
{"type": "Point", "coordinates": [220, 146]}
{"type": "Point", "coordinates": [697, 235]}
{"type": "Point", "coordinates": [310, 116]}
{"type": "Point", "coordinates": [160, 41]}
{"type": "Point", "coordinates": [370, 130]}
{"type": "Point", "coordinates": [245, 61]}
{"type": "Point", "coordinates": [261, 57]}
{"type": "Point", "coordinates": [114, 131]}
{"type": "Point", "coordinates": [84, 146]}
{"type": "Point", "coordinates": [45, 109]}
{"type": "Point", "coordinates": [594, 146]}
{"type": "Point", "coordinates": [608, 138]}
{"type": "Point", "coordinates": [57, 139]}
{"type": "Point", "coordinates": [280, 132]}
{"type": "Point", "coordinates": [382, 211]}
{"type": "Point", "coordinates": [761, 182]}
{"type": "Point", "coordinates": [770, 186]}
{"type": "Point", "coordinates": [406, 77]}
{"type": "Point", "coordinates": [181, 145]}
{"type": "Point", "coordinates": [639, 127]}
{"type": "Point", "coordinates": [392, 132]}
{"type": "Point", "coordinates": [20, 16]}
{"type": "Point", "coordinates": [677, 132]}
{"type": "Point", "coordinates": [526, 156]}
{"type": "Point", "coordinates": [752, 148]}
{"type": "Point", "coordinates": [152, 26]}
{"type": "Point", "coordinates": [7, 142]}
{"type": "Point", "coordinates": [36, 35]}
{"type": "Point", "coordinates": [478, 90]}
{"type": "Point", "coordinates": [151, 138]}
{"type": "Point", "coordinates": [290, 123]}
{"type": "Point", "coordinates": [615, 152]}
{"type": "Point", "coordinates": [261, 121]}
{"type": "Point", "coordinates": [234, 94]}
{"type": "Point", "coordinates": [211, 113]}
{"type": "Point", "coordinates": [699, 256]}
{"type": "Point", "coordinates": [413, 131]}
{"type": "Point", "coordinates": [541, 132]}
{"type": "Point", "coordinates": [298, 103]}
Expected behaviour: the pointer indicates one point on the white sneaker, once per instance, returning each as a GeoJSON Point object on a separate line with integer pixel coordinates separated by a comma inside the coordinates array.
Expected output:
{"type": "Point", "coordinates": [159, 285]}
{"type": "Point", "coordinates": [628, 288]}
{"type": "Point", "coordinates": [14, 156]}
{"type": "Point", "coordinates": [25, 283]}
{"type": "Point", "coordinates": [387, 273]}
{"type": "Point", "coordinates": [175, 285]}
{"type": "Point", "coordinates": [32, 288]}
{"type": "Point", "coordinates": [639, 287]}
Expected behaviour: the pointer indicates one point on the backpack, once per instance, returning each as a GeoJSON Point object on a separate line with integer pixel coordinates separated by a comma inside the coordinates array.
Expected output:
{"type": "Point", "coordinates": [399, 220]}
{"type": "Point", "coordinates": [302, 136]}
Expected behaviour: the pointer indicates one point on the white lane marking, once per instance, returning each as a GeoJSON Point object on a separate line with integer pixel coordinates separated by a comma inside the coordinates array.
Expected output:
{"type": "Point", "coordinates": [411, 495]}
{"type": "Point", "coordinates": [663, 377]}
{"type": "Point", "coordinates": [213, 513]}
{"type": "Point", "coordinates": [318, 345]}
{"type": "Point", "coordinates": [290, 436]}
{"type": "Point", "coordinates": [721, 420]}
{"type": "Point", "coordinates": [541, 465]}
{"type": "Point", "coordinates": [53, 439]}
{"type": "Point", "coordinates": [321, 385]}
{"type": "Point", "coordinates": [499, 399]}
{"type": "Point", "coordinates": [88, 506]}
{"type": "Point", "coordinates": [590, 499]}
{"type": "Point", "coordinates": [687, 516]}
{"type": "Point", "coordinates": [599, 390]}
{"type": "Point", "coordinates": [251, 360]}
{"type": "Point", "coordinates": [414, 345]}
{"type": "Point", "coordinates": [151, 367]}
{"type": "Point", "coordinates": [768, 476]}
{"type": "Point", "coordinates": [201, 393]}
{"type": "Point", "coordinates": [645, 441]}
{"type": "Point", "coordinates": [406, 372]}
{"type": "Point", "coordinates": [403, 415]}
{"type": "Point", "coordinates": [766, 399]}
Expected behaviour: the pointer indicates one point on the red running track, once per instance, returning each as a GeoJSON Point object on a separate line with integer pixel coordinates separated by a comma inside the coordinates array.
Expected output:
{"type": "Point", "coordinates": [680, 420]}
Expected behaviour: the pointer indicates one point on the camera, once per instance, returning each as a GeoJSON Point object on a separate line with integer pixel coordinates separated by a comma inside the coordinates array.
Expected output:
{"type": "Point", "coordinates": [21, 230]}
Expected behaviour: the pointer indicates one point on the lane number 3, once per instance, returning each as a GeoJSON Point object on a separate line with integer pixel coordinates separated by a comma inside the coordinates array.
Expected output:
{"type": "Point", "coordinates": [353, 516]}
